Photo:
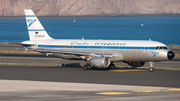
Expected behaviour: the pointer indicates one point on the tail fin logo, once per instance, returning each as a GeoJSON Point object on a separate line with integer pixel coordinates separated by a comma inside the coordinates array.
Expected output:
{"type": "Point", "coordinates": [31, 21]}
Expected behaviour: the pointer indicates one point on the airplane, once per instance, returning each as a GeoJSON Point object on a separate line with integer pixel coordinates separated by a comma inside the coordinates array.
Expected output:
{"type": "Point", "coordinates": [95, 53]}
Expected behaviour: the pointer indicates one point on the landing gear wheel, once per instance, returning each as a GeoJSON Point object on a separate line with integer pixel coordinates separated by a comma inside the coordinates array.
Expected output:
{"type": "Point", "coordinates": [152, 69]}
{"type": "Point", "coordinates": [111, 66]}
{"type": "Point", "coordinates": [86, 67]}
{"type": "Point", "coordinates": [89, 67]}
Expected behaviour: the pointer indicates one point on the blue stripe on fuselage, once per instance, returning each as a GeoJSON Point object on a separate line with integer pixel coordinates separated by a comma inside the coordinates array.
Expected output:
{"type": "Point", "coordinates": [96, 47]}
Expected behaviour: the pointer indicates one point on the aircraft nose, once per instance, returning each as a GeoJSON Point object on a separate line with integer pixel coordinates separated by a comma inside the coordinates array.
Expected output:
{"type": "Point", "coordinates": [170, 55]}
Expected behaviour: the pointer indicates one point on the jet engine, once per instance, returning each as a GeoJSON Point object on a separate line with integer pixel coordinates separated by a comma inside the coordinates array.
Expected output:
{"type": "Point", "coordinates": [100, 62]}
{"type": "Point", "coordinates": [136, 64]}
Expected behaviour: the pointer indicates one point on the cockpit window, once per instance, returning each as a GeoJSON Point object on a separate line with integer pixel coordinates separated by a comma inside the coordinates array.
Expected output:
{"type": "Point", "coordinates": [165, 48]}
{"type": "Point", "coordinates": [161, 47]}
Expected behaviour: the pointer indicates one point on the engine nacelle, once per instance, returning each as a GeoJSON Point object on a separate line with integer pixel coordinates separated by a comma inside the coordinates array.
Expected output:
{"type": "Point", "coordinates": [100, 62]}
{"type": "Point", "coordinates": [136, 64]}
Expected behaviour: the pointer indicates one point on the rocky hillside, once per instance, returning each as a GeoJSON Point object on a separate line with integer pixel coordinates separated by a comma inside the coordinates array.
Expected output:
{"type": "Point", "coordinates": [89, 7]}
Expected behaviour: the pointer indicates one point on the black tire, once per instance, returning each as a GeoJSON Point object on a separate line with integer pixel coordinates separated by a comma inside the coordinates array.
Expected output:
{"type": "Point", "coordinates": [89, 67]}
{"type": "Point", "coordinates": [85, 67]}
{"type": "Point", "coordinates": [111, 66]}
{"type": "Point", "coordinates": [152, 69]}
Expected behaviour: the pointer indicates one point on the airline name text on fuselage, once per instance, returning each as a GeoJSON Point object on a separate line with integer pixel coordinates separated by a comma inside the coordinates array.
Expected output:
{"type": "Point", "coordinates": [98, 44]}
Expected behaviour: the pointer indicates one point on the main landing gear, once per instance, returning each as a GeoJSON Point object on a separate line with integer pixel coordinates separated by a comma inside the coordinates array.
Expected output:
{"type": "Point", "coordinates": [151, 69]}
{"type": "Point", "coordinates": [111, 66]}
{"type": "Point", "coordinates": [87, 67]}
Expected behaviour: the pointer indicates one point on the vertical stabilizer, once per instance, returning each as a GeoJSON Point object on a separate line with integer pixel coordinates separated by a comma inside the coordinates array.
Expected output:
{"type": "Point", "coordinates": [35, 29]}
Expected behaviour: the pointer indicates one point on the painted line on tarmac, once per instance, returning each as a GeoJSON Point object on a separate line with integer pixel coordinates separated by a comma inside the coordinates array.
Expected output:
{"type": "Point", "coordinates": [133, 70]}
{"type": "Point", "coordinates": [113, 93]}
{"type": "Point", "coordinates": [147, 91]}
{"type": "Point", "coordinates": [173, 89]}
{"type": "Point", "coordinates": [140, 92]}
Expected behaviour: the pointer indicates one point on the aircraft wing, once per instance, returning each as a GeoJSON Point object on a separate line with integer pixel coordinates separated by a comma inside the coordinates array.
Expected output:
{"type": "Point", "coordinates": [75, 53]}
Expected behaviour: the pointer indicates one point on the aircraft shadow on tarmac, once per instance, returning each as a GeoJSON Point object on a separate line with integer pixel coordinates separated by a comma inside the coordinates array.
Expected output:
{"type": "Point", "coordinates": [98, 69]}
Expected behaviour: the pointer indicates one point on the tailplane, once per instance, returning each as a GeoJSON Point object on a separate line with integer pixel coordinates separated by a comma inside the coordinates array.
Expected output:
{"type": "Point", "coordinates": [35, 29]}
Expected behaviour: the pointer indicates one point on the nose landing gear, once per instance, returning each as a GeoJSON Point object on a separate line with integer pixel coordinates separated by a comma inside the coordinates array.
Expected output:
{"type": "Point", "coordinates": [151, 69]}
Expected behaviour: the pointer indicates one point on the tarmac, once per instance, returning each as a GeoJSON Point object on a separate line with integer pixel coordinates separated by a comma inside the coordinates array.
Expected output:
{"type": "Point", "coordinates": [27, 76]}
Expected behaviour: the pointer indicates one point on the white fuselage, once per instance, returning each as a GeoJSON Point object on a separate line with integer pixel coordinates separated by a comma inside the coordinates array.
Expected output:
{"type": "Point", "coordinates": [123, 50]}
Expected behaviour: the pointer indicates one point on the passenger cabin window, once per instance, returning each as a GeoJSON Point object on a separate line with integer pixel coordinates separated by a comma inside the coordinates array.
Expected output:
{"type": "Point", "coordinates": [161, 47]}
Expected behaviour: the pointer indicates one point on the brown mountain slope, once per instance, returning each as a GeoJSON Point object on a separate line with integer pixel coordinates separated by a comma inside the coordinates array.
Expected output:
{"type": "Point", "coordinates": [89, 7]}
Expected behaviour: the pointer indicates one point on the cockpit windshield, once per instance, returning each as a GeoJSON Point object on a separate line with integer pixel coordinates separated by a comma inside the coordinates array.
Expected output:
{"type": "Point", "coordinates": [161, 47]}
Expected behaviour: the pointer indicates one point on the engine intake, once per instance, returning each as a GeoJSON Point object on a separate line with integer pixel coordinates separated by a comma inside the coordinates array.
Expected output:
{"type": "Point", "coordinates": [100, 62]}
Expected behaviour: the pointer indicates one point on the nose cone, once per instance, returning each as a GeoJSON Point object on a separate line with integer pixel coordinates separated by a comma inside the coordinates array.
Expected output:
{"type": "Point", "coordinates": [170, 55]}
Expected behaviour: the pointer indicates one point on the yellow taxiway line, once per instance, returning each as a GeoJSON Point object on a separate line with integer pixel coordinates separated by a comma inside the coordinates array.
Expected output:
{"type": "Point", "coordinates": [147, 91]}
{"type": "Point", "coordinates": [112, 93]}
{"type": "Point", "coordinates": [139, 91]}
{"type": "Point", "coordinates": [173, 89]}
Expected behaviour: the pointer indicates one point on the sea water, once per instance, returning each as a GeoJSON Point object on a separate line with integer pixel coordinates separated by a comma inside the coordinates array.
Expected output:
{"type": "Point", "coordinates": [165, 29]}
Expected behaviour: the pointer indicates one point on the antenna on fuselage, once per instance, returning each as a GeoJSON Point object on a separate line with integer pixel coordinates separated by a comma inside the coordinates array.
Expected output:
{"type": "Point", "coordinates": [82, 38]}
{"type": "Point", "coordinates": [149, 39]}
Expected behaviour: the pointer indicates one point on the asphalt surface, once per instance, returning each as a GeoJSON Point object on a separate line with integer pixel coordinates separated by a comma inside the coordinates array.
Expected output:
{"type": "Point", "coordinates": [132, 80]}
{"type": "Point", "coordinates": [161, 78]}
{"type": "Point", "coordinates": [41, 81]}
